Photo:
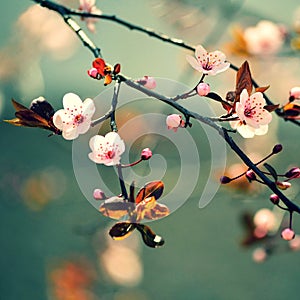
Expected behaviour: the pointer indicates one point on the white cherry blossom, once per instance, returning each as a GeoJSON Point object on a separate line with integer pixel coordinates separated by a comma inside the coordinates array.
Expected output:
{"type": "Point", "coordinates": [76, 116]}
{"type": "Point", "coordinates": [106, 149]}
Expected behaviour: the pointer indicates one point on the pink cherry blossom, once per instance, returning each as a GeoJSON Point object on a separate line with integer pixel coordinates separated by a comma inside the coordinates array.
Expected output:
{"type": "Point", "coordinates": [265, 38]}
{"type": "Point", "coordinates": [208, 63]}
{"type": "Point", "coordinates": [76, 116]}
{"type": "Point", "coordinates": [253, 118]}
{"type": "Point", "coordinates": [203, 89]}
{"type": "Point", "coordinates": [98, 194]}
{"type": "Point", "coordinates": [106, 149]}
{"type": "Point", "coordinates": [174, 121]}
{"type": "Point", "coordinates": [89, 6]}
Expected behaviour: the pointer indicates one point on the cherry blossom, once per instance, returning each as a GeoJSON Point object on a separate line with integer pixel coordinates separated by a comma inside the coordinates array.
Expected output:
{"type": "Point", "coordinates": [265, 38]}
{"type": "Point", "coordinates": [106, 149]}
{"type": "Point", "coordinates": [210, 63]}
{"type": "Point", "coordinates": [76, 116]}
{"type": "Point", "coordinates": [253, 118]}
{"type": "Point", "coordinates": [90, 7]}
{"type": "Point", "coordinates": [287, 234]}
{"type": "Point", "coordinates": [146, 154]}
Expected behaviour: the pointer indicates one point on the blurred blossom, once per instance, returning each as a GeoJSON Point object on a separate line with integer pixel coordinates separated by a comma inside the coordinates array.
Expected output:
{"type": "Point", "coordinates": [89, 6]}
{"type": "Point", "coordinates": [45, 30]}
{"type": "Point", "coordinates": [122, 265]}
{"type": "Point", "coordinates": [295, 243]}
{"type": "Point", "coordinates": [259, 255]}
{"type": "Point", "coordinates": [72, 280]}
{"type": "Point", "coordinates": [263, 39]}
{"type": "Point", "coordinates": [43, 187]}
{"type": "Point", "coordinates": [148, 82]}
{"type": "Point", "coordinates": [264, 219]}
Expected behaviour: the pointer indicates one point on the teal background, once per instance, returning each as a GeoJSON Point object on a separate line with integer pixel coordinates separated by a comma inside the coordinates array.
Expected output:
{"type": "Point", "coordinates": [202, 258]}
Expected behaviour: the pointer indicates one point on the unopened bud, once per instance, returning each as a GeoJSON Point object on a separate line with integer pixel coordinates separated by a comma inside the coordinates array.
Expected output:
{"type": "Point", "coordinates": [274, 199]}
{"type": "Point", "coordinates": [283, 185]}
{"type": "Point", "coordinates": [174, 121]}
{"type": "Point", "coordinates": [93, 72]}
{"type": "Point", "coordinates": [146, 154]}
{"type": "Point", "coordinates": [287, 234]}
{"type": "Point", "coordinates": [225, 179]}
{"type": "Point", "coordinates": [277, 148]}
{"type": "Point", "coordinates": [293, 173]}
{"type": "Point", "coordinates": [250, 175]}
{"type": "Point", "coordinates": [99, 194]}
{"type": "Point", "coordinates": [203, 89]}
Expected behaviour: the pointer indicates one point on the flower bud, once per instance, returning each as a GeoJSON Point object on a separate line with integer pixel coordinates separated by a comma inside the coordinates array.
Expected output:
{"type": "Point", "coordinates": [148, 82]}
{"type": "Point", "coordinates": [99, 194]}
{"type": "Point", "coordinates": [294, 93]}
{"type": "Point", "coordinates": [295, 243]}
{"type": "Point", "coordinates": [293, 173]}
{"type": "Point", "coordinates": [93, 72]}
{"type": "Point", "coordinates": [250, 175]}
{"type": "Point", "coordinates": [283, 185]}
{"type": "Point", "coordinates": [277, 148]}
{"type": "Point", "coordinates": [174, 121]}
{"type": "Point", "coordinates": [287, 234]}
{"type": "Point", "coordinates": [203, 89]}
{"type": "Point", "coordinates": [225, 179]}
{"type": "Point", "coordinates": [274, 199]}
{"type": "Point", "coordinates": [146, 154]}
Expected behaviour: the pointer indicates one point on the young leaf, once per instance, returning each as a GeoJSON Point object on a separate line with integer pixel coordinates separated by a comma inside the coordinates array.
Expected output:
{"type": "Point", "coordinates": [271, 108]}
{"type": "Point", "coordinates": [271, 170]}
{"type": "Point", "coordinates": [149, 237]}
{"type": "Point", "coordinates": [121, 230]}
{"type": "Point", "coordinates": [150, 189]}
{"type": "Point", "coordinates": [262, 89]}
{"type": "Point", "coordinates": [243, 81]}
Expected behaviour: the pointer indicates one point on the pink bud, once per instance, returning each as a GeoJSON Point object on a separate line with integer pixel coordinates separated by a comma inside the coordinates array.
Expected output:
{"type": "Point", "coordinates": [203, 89]}
{"type": "Point", "coordinates": [99, 194]}
{"type": "Point", "coordinates": [283, 185]}
{"type": "Point", "coordinates": [293, 173]}
{"type": "Point", "coordinates": [287, 234]}
{"type": "Point", "coordinates": [148, 82]}
{"type": "Point", "coordinates": [295, 93]}
{"type": "Point", "coordinates": [174, 121]}
{"type": "Point", "coordinates": [93, 73]}
{"type": "Point", "coordinates": [250, 175]}
{"type": "Point", "coordinates": [274, 199]}
{"type": "Point", "coordinates": [146, 154]}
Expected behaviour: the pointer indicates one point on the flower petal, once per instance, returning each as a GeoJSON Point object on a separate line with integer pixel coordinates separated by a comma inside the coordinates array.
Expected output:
{"type": "Point", "coordinates": [194, 63]}
{"type": "Point", "coordinates": [58, 119]}
{"type": "Point", "coordinates": [263, 129]}
{"type": "Point", "coordinates": [246, 131]}
{"type": "Point", "coordinates": [71, 101]}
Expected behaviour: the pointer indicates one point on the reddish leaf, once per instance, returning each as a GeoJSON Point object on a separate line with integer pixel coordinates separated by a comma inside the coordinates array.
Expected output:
{"type": "Point", "coordinates": [262, 89]}
{"type": "Point", "coordinates": [150, 189]}
{"type": "Point", "coordinates": [243, 81]}
{"type": "Point", "coordinates": [121, 230]}
{"type": "Point", "coordinates": [271, 108]}
{"type": "Point", "coordinates": [291, 110]}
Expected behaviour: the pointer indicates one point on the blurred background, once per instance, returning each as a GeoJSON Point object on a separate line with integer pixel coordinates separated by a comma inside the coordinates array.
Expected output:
{"type": "Point", "coordinates": [55, 244]}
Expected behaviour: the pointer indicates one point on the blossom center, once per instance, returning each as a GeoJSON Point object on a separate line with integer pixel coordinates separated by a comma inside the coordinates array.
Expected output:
{"type": "Point", "coordinates": [249, 112]}
{"type": "Point", "coordinates": [78, 119]}
{"type": "Point", "coordinates": [110, 154]}
{"type": "Point", "coordinates": [207, 65]}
